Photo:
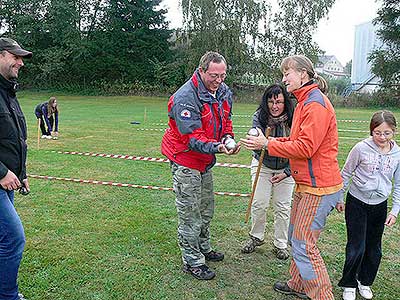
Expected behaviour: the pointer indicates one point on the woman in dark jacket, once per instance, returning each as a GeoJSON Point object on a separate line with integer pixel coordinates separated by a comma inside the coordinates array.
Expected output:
{"type": "Point", "coordinates": [275, 181]}
{"type": "Point", "coordinates": [47, 113]}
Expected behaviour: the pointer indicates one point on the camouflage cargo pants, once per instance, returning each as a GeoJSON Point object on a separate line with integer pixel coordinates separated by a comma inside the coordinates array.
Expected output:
{"type": "Point", "coordinates": [195, 205]}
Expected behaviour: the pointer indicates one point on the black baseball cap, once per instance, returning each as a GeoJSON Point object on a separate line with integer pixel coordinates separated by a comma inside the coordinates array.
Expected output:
{"type": "Point", "coordinates": [12, 46]}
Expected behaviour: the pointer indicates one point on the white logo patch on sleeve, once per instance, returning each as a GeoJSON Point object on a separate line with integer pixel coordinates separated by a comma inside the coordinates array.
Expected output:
{"type": "Point", "coordinates": [185, 114]}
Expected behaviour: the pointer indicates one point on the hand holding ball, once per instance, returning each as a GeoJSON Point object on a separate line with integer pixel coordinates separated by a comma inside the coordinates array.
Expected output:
{"type": "Point", "coordinates": [253, 132]}
{"type": "Point", "coordinates": [229, 143]}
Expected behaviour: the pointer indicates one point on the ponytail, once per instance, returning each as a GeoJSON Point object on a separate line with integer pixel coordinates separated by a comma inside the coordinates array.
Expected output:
{"type": "Point", "coordinates": [322, 84]}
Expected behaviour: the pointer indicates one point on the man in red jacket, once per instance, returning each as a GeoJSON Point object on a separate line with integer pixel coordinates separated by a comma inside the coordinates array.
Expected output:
{"type": "Point", "coordinates": [199, 121]}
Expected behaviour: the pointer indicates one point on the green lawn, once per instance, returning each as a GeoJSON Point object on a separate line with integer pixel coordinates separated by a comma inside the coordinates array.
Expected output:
{"type": "Point", "coordinates": [107, 243]}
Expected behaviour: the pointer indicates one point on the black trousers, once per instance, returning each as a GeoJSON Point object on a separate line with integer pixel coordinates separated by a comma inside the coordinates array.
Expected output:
{"type": "Point", "coordinates": [43, 125]}
{"type": "Point", "coordinates": [365, 224]}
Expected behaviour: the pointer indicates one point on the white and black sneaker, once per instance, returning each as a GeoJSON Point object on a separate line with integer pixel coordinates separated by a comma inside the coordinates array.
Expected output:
{"type": "Point", "coordinates": [21, 297]}
{"type": "Point", "coordinates": [364, 291]}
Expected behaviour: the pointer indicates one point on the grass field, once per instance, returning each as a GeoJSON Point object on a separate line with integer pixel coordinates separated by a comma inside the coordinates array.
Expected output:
{"type": "Point", "coordinates": [109, 243]}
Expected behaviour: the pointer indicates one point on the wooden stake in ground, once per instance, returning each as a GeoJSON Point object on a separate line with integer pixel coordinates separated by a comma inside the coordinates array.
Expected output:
{"type": "Point", "coordinates": [38, 133]}
{"type": "Point", "coordinates": [145, 115]}
{"type": "Point", "coordinates": [260, 161]}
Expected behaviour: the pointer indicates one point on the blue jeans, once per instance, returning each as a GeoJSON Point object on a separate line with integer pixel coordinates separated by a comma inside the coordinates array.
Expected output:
{"type": "Point", "coordinates": [12, 242]}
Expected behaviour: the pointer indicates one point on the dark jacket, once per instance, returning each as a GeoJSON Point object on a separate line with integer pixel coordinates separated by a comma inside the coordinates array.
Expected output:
{"type": "Point", "coordinates": [12, 132]}
{"type": "Point", "coordinates": [272, 162]}
{"type": "Point", "coordinates": [197, 122]}
{"type": "Point", "coordinates": [41, 110]}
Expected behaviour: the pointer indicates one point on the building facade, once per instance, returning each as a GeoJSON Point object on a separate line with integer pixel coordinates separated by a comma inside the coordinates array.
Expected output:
{"type": "Point", "coordinates": [365, 41]}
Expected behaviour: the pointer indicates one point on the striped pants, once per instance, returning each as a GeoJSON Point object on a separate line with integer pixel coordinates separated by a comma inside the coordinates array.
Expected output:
{"type": "Point", "coordinates": [307, 220]}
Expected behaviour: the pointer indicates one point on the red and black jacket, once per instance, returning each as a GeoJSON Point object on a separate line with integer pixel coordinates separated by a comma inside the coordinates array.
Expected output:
{"type": "Point", "coordinates": [197, 122]}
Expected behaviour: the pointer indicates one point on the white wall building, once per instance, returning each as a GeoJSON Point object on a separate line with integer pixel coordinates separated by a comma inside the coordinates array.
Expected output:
{"type": "Point", "coordinates": [365, 41]}
{"type": "Point", "coordinates": [329, 65]}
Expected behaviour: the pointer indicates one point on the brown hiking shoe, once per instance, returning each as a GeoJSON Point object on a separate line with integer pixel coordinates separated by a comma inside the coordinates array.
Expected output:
{"type": "Point", "coordinates": [282, 287]}
{"type": "Point", "coordinates": [214, 256]}
{"type": "Point", "coordinates": [251, 245]}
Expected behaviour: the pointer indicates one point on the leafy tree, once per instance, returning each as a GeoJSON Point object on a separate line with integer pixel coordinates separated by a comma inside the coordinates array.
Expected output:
{"type": "Point", "coordinates": [233, 27]}
{"type": "Point", "coordinates": [81, 42]}
{"type": "Point", "coordinates": [347, 67]}
{"type": "Point", "coordinates": [386, 61]}
{"type": "Point", "coordinates": [135, 36]}
{"type": "Point", "coordinates": [338, 85]}
{"type": "Point", "coordinates": [224, 26]}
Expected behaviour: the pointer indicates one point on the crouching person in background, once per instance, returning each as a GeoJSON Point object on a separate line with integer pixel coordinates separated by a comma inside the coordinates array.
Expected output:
{"type": "Point", "coordinates": [47, 113]}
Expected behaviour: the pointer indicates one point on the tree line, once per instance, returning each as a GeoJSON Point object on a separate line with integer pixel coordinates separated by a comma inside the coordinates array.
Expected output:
{"type": "Point", "coordinates": [125, 46]}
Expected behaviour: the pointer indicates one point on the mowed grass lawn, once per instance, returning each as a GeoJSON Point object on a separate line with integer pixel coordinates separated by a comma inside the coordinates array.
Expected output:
{"type": "Point", "coordinates": [101, 242]}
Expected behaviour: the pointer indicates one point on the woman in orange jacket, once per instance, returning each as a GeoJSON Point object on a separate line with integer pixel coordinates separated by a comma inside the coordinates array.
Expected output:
{"type": "Point", "coordinates": [312, 149]}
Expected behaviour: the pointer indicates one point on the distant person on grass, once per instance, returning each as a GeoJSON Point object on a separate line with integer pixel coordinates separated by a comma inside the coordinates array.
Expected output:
{"type": "Point", "coordinates": [275, 182]}
{"type": "Point", "coordinates": [199, 120]}
{"type": "Point", "coordinates": [47, 113]}
{"type": "Point", "coordinates": [13, 150]}
{"type": "Point", "coordinates": [373, 168]}
{"type": "Point", "coordinates": [312, 149]}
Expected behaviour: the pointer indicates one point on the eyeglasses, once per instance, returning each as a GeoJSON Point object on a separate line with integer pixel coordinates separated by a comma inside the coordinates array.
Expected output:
{"type": "Point", "coordinates": [272, 103]}
{"type": "Point", "coordinates": [215, 76]}
{"type": "Point", "coordinates": [386, 134]}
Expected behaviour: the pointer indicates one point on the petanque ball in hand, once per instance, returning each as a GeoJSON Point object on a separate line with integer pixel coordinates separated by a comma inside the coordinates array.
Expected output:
{"type": "Point", "coordinates": [230, 143]}
{"type": "Point", "coordinates": [253, 131]}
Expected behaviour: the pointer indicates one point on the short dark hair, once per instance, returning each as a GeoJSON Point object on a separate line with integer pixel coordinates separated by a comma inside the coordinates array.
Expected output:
{"type": "Point", "coordinates": [382, 116]}
{"type": "Point", "coordinates": [209, 57]}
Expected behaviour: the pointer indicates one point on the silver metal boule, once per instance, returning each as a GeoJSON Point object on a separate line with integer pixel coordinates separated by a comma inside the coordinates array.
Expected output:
{"type": "Point", "coordinates": [253, 131]}
{"type": "Point", "coordinates": [230, 143]}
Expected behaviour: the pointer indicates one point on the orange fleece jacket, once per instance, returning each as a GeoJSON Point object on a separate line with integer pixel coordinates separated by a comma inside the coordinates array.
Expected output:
{"type": "Point", "coordinates": [312, 146]}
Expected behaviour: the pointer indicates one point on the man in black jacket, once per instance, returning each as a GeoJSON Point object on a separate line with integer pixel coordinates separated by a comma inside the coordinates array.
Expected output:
{"type": "Point", "coordinates": [12, 167]}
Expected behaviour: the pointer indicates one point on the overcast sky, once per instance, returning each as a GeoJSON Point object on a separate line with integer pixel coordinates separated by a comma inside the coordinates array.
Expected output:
{"type": "Point", "coordinates": [335, 34]}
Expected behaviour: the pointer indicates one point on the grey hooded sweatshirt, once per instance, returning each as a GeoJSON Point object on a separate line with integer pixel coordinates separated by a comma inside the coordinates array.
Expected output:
{"type": "Point", "coordinates": [373, 174]}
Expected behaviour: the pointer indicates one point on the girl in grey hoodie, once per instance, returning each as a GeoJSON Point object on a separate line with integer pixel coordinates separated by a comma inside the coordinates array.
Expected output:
{"type": "Point", "coordinates": [374, 167]}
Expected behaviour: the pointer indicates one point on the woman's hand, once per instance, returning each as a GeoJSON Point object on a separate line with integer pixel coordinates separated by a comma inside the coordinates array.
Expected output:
{"type": "Point", "coordinates": [255, 142]}
{"type": "Point", "coordinates": [391, 219]}
{"type": "Point", "coordinates": [278, 178]}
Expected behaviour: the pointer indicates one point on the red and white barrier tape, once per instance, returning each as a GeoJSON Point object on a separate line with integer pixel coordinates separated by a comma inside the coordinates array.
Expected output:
{"type": "Point", "coordinates": [346, 121]}
{"type": "Point", "coordinates": [235, 126]}
{"type": "Point", "coordinates": [353, 130]}
{"type": "Point", "coordinates": [163, 129]}
{"type": "Point", "coordinates": [242, 132]}
{"type": "Point", "coordinates": [148, 187]}
{"type": "Point", "coordinates": [353, 121]}
{"type": "Point", "coordinates": [143, 158]}
{"type": "Point", "coordinates": [242, 116]}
